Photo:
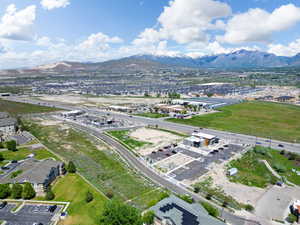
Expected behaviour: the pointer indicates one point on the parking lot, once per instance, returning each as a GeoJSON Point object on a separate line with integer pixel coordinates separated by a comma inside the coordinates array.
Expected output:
{"type": "Point", "coordinates": [28, 214]}
{"type": "Point", "coordinates": [194, 169]}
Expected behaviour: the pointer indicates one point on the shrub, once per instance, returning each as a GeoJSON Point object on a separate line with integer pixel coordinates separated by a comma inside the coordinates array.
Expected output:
{"type": "Point", "coordinates": [196, 189]}
{"type": "Point", "coordinates": [225, 204]}
{"type": "Point", "coordinates": [1, 157]}
{"type": "Point", "coordinates": [291, 218]}
{"type": "Point", "coordinates": [11, 145]}
{"type": "Point", "coordinates": [187, 198]}
{"type": "Point", "coordinates": [249, 208]}
{"type": "Point", "coordinates": [50, 195]}
{"type": "Point", "coordinates": [213, 211]}
{"type": "Point", "coordinates": [109, 194]}
{"type": "Point", "coordinates": [208, 196]}
{"type": "Point", "coordinates": [282, 152]}
{"type": "Point", "coordinates": [1, 145]}
{"type": "Point", "coordinates": [71, 167]}
{"type": "Point", "coordinates": [89, 197]}
{"type": "Point", "coordinates": [16, 191]}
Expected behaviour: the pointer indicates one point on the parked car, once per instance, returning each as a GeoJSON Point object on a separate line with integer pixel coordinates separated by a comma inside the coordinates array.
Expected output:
{"type": "Point", "coordinates": [3, 204]}
{"type": "Point", "coordinates": [14, 161]}
{"type": "Point", "coordinates": [281, 146]}
{"type": "Point", "coordinates": [5, 168]}
{"type": "Point", "coordinates": [52, 208]}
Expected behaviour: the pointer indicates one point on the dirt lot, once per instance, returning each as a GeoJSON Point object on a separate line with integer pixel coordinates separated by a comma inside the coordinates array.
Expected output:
{"type": "Point", "coordinates": [244, 194]}
{"type": "Point", "coordinates": [156, 137]}
{"type": "Point", "coordinates": [94, 101]}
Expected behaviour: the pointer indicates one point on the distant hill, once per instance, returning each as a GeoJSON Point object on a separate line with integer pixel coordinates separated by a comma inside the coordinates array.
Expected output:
{"type": "Point", "coordinates": [242, 59]}
{"type": "Point", "coordinates": [237, 59]}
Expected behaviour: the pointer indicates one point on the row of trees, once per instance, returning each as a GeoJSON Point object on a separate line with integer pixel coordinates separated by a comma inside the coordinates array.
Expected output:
{"type": "Point", "coordinates": [10, 145]}
{"type": "Point", "coordinates": [17, 191]}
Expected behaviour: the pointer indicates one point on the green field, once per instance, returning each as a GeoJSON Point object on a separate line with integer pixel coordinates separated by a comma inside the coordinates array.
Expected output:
{"type": "Point", "coordinates": [252, 172]}
{"type": "Point", "coordinates": [96, 162]}
{"type": "Point", "coordinates": [262, 119]}
{"type": "Point", "coordinates": [16, 108]}
{"type": "Point", "coordinates": [72, 188]}
{"type": "Point", "coordinates": [123, 137]}
{"type": "Point", "coordinates": [152, 115]}
{"type": "Point", "coordinates": [23, 152]}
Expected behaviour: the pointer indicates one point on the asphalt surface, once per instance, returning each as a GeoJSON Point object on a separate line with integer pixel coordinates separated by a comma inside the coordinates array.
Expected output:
{"type": "Point", "coordinates": [27, 215]}
{"type": "Point", "coordinates": [160, 180]}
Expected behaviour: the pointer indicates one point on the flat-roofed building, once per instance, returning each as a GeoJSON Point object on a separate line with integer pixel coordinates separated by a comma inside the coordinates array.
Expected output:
{"type": "Point", "coordinates": [8, 125]}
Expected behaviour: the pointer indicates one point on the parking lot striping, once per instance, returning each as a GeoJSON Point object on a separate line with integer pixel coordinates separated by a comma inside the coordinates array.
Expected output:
{"type": "Point", "coordinates": [181, 166]}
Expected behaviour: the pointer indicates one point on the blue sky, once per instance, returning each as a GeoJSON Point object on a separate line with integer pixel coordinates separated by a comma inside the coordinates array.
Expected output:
{"type": "Point", "coordinates": [35, 32]}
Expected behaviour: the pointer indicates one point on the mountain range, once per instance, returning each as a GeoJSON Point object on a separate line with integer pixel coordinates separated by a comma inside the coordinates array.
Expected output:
{"type": "Point", "coordinates": [242, 59]}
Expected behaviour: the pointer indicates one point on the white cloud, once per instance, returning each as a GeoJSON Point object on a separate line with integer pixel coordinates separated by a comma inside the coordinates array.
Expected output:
{"type": "Point", "coordinates": [258, 25]}
{"type": "Point", "coordinates": [17, 25]}
{"type": "Point", "coordinates": [44, 41]}
{"type": "Point", "coordinates": [291, 49]}
{"type": "Point", "coordinates": [99, 42]}
{"type": "Point", "coordinates": [186, 21]}
{"type": "Point", "coordinates": [53, 4]}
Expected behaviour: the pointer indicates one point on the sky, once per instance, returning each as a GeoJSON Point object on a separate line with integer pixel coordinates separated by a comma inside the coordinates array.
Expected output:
{"type": "Point", "coordinates": [37, 32]}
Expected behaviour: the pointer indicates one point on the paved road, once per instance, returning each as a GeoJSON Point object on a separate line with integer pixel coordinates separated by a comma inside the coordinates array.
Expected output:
{"type": "Point", "coordinates": [238, 138]}
{"type": "Point", "coordinates": [156, 178]}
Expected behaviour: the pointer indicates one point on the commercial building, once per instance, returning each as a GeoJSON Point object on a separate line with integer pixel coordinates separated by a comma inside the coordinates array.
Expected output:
{"type": "Point", "coordinates": [175, 211]}
{"type": "Point", "coordinates": [72, 113]}
{"type": "Point", "coordinates": [205, 102]}
{"type": "Point", "coordinates": [165, 108]}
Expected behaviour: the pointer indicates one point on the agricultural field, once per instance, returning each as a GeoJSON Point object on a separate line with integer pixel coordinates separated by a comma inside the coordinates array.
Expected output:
{"type": "Point", "coordinates": [253, 172]}
{"type": "Point", "coordinates": [16, 108]}
{"type": "Point", "coordinates": [262, 119]}
{"type": "Point", "coordinates": [95, 161]}
{"type": "Point", "coordinates": [152, 115]}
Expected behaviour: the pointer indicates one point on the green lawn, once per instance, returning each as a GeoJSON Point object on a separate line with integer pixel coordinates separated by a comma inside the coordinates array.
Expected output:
{"type": "Point", "coordinates": [254, 173]}
{"type": "Point", "coordinates": [16, 108]}
{"type": "Point", "coordinates": [22, 153]}
{"type": "Point", "coordinates": [123, 137]}
{"type": "Point", "coordinates": [73, 188]}
{"type": "Point", "coordinates": [263, 119]}
{"type": "Point", "coordinates": [95, 161]}
{"type": "Point", "coordinates": [152, 115]}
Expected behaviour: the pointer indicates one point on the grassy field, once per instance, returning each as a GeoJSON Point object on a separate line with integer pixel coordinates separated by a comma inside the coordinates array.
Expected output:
{"type": "Point", "coordinates": [16, 108]}
{"type": "Point", "coordinates": [23, 152]}
{"type": "Point", "coordinates": [152, 115]}
{"type": "Point", "coordinates": [96, 162]}
{"type": "Point", "coordinates": [263, 119]}
{"type": "Point", "coordinates": [72, 188]}
{"type": "Point", "coordinates": [254, 173]}
{"type": "Point", "coordinates": [123, 137]}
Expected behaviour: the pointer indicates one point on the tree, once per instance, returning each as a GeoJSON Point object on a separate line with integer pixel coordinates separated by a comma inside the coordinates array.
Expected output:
{"type": "Point", "coordinates": [71, 167]}
{"type": "Point", "coordinates": [209, 95]}
{"type": "Point", "coordinates": [1, 157]}
{"type": "Point", "coordinates": [50, 195]}
{"type": "Point", "coordinates": [213, 211]}
{"type": "Point", "coordinates": [148, 218]}
{"type": "Point", "coordinates": [28, 191]}
{"type": "Point", "coordinates": [89, 197]}
{"type": "Point", "coordinates": [16, 191]}
{"type": "Point", "coordinates": [11, 145]}
{"type": "Point", "coordinates": [5, 191]}
{"type": "Point", "coordinates": [116, 213]}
